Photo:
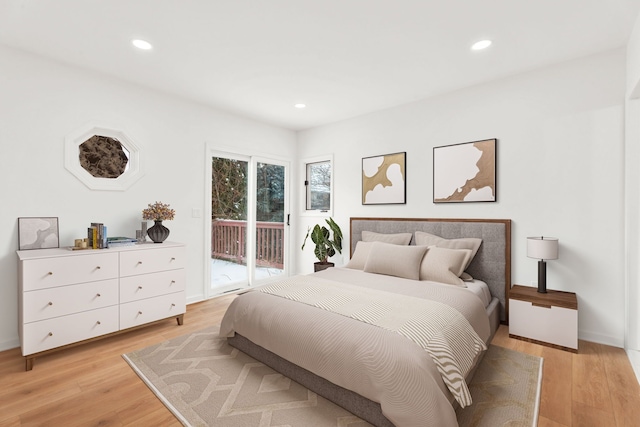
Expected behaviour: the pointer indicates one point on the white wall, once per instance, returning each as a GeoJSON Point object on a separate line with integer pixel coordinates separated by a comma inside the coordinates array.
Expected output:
{"type": "Point", "coordinates": [560, 172]}
{"type": "Point", "coordinates": [41, 102]}
{"type": "Point", "coordinates": [633, 60]}
{"type": "Point", "coordinates": [632, 147]}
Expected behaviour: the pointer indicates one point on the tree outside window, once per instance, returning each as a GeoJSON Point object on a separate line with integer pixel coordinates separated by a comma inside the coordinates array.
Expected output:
{"type": "Point", "coordinates": [318, 183]}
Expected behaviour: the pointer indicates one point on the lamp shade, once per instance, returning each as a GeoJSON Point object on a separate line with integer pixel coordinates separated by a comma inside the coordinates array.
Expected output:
{"type": "Point", "coordinates": [542, 247]}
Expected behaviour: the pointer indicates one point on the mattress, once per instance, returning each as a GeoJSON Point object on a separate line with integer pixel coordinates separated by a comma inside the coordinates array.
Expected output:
{"type": "Point", "coordinates": [481, 290]}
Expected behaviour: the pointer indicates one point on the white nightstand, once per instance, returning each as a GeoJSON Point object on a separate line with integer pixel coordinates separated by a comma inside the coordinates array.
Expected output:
{"type": "Point", "coordinates": [549, 319]}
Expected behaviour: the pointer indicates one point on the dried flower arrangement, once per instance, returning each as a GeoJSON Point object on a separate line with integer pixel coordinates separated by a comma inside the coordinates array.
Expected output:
{"type": "Point", "coordinates": [158, 212]}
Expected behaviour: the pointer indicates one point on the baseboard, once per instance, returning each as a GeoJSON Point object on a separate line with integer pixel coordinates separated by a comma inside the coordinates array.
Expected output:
{"type": "Point", "coordinates": [634, 358]}
{"type": "Point", "coordinates": [8, 345]}
{"type": "Point", "coordinates": [601, 339]}
{"type": "Point", "coordinates": [195, 298]}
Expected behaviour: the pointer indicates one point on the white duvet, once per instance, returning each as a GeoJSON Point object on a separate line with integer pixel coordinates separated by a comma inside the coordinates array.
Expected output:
{"type": "Point", "coordinates": [376, 363]}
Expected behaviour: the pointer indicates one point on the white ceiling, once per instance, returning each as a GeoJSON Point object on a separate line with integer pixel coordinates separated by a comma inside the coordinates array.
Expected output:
{"type": "Point", "coordinates": [343, 58]}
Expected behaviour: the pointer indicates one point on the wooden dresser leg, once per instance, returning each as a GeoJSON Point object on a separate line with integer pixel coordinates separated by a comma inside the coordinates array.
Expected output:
{"type": "Point", "coordinates": [29, 363]}
{"type": "Point", "coordinates": [180, 319]}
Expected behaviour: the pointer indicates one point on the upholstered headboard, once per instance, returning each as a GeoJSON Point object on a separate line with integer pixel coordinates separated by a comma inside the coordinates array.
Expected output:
{"type": "Point", "coordinates": [492, 263]}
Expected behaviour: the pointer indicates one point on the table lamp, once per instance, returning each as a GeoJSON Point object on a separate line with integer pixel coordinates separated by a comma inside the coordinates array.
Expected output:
{"type": "Point", "coordinates": [542, 248]}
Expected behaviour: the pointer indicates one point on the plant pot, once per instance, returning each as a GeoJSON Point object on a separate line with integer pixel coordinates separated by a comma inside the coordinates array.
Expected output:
{"type": "Point", "coordinates": [158, 232]}
{"type": "Point", "coordinates": [319, 266]}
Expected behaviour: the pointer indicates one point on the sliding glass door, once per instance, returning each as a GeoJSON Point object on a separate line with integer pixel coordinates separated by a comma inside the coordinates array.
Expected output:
{"type": "Point", "coordinates": [249, 206]}
{"type": "Point", "coordinates": [270, 220]}
{"type": "Point", "coordinates": [229, 213]}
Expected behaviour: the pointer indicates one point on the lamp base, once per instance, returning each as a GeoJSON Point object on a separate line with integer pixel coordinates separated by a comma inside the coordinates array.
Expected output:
{"type": "Point", "coordinates": [542, 277]}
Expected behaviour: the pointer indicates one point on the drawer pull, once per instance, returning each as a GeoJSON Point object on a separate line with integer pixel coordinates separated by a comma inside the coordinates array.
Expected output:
{"type": "Point", "coordinates": [139, 262]}
{"type": "Point", "coordinates": [50, 273]}
{"type": "Point", "coordinates": [98, 268]}
{"type": "Point", "coordinates": [50, 303]}
{"type": "Point", "coordinates": [173, 281]}
{"type": "Point", "coordinates": [173, 259]}
{"type": "Point", "coordinates": [50, 334]}
{"type": "Point", "coordinates": [139, 312]}
{"type": "Point", "coordinates": [173, 305]}
{"type": "Point", "coordinates": [98, 295]}
{"type": "Point", "coordinates": [98, 322]}
{"type": "Point", "coordinates": [535, 304]}
{"type": "Point", "coordinates": [139, 287]}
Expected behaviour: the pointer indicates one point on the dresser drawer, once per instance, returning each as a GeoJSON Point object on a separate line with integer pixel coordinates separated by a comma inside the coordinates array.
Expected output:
{"type": "Point", "coordinates": [44, 273]}
{"type": "Point", "coordinates": [55, 302]}
{"type": "Point", "coordinates": [134, 288]}
{"type": "Point", "coordinates": [51, 333]}
{"type": "Point", "coordinates": [554, 325]}
{"type": "Point", "coordinates": [151, 260]}
{"type": "Point", "coordinates": [148, 310]}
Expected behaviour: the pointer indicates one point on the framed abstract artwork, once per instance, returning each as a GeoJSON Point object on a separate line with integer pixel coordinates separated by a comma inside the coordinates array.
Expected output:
{"type": "Point", "coordinates": [384, 179]}
{"type": "Point", "coordinates": [38, 233]}
{"type": "Point", "coordinates": [465, 172]}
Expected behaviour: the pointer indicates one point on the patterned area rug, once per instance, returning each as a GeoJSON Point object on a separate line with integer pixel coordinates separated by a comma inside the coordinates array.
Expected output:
{"type": "Point", "coordinates": [205, 382]}
{"type": "Point", "coordinates": [505, 390]}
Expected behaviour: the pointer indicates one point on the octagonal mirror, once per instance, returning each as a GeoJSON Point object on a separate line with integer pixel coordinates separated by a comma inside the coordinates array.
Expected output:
{"type": "Point", "coordinates": [103, 158]}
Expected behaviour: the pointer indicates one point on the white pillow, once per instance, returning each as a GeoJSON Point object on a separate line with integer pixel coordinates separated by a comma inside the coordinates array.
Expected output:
{"type": "Point", "coordinates": [466, 277]}
{"type": "Point", "coordinates": [395, 260]}
{"type": "Point", "coordinates": [396, 239]}
{"type": "Point", "coordinates": [444, 265]}
{"type": "Point", "coordinates": [471, 243]}
{"type": "Point", "coordinates": [360, 255]}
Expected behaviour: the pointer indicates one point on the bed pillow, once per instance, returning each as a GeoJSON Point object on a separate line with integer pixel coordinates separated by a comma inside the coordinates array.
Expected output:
{"type": "Point", "coordinates": [466, 277]}
{"type": "Point", "coordinates": [395, 239]}
{"type": "Point", "coordinates": [444, 265]}
{"type": "Point", "coordinates": [360, 255]}
{"type": "Point", "coordinates": [395, 260]}
{"type": "Point", "coordinates": [471, 243]}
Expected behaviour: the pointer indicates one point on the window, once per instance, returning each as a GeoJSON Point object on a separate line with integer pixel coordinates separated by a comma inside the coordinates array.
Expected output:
{"type": "Point", "coordinates": [318, 183]}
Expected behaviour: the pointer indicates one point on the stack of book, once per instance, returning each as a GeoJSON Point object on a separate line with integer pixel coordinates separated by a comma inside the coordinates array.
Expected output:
{"type": "Point", "coordinates": [117, 242]}
{"type": "Point", "coordinates": [97, 235]}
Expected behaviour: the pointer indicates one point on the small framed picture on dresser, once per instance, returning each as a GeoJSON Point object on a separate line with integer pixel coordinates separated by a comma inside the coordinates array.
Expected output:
{"type": "Point", "coordinates": [38, 233]}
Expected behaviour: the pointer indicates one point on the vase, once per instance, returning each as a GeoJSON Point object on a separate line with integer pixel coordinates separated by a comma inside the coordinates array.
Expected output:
{"type": "Point", "coordinates": [319, 266]}
{"type": "Point", "coordinates": [158, 232]}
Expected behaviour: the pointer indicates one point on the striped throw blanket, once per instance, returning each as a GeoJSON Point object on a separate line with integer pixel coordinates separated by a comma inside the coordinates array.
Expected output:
{"type": "Point", "coordinates": [440, 330]}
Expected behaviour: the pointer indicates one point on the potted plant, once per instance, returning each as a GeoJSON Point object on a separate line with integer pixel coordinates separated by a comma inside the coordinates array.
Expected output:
{"type": "Point", "coordinates": [325, 246]}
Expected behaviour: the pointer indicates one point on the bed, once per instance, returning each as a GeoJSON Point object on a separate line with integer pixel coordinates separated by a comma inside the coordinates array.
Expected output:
{"type": "Point", "coordinates": [373, 337]}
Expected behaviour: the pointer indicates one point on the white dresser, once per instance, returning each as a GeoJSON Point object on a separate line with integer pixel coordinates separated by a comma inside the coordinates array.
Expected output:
{"type": "Point", "coordinates": [66, 297]}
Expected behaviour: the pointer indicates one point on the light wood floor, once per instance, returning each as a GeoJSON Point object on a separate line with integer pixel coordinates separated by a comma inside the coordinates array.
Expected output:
{"type": "Point", "coordinates": [91, 385]}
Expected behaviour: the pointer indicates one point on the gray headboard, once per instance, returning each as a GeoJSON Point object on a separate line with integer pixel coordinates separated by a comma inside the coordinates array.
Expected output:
{"type": "Point", "coordinates": [492, 263]}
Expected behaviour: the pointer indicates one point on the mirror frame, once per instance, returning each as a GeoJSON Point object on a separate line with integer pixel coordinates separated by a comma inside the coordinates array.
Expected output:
{"type": "Point", "coordinates": [72, 158]}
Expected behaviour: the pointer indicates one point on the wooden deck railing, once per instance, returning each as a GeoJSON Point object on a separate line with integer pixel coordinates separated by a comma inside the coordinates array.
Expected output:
{"type": "Point", "coordinates": [228, 242]}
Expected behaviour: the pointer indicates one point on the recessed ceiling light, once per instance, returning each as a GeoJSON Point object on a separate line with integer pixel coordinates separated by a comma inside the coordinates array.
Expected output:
{"type": "Point", "coordinates": [300, 105]}
{"type": "Point", "coordinates": [141, 44]}
{"type": "Point", "coordinates": [482, 44]}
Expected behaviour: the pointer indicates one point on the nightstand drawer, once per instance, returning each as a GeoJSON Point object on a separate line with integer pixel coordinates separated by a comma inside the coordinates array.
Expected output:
{"type": "Point", "coordinates": [549, 324]}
